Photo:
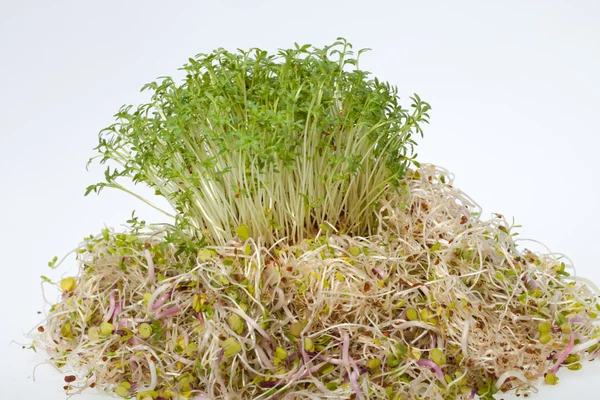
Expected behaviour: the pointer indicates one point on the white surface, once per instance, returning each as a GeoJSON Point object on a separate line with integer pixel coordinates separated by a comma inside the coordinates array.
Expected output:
{"type": "Point", "coordinates": [514, 87]}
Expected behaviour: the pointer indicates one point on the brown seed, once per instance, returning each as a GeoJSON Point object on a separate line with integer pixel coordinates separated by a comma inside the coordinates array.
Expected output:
{"type": "Point", "coordinates": [93, 385]}
{"type": "Point", "coordinates": [70, 378]}
{"type": "Point", "coordinates": [40, 328]}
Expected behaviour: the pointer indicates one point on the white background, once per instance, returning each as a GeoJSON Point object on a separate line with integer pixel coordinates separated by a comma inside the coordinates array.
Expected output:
{"type": "Point", "coordinates": [514, 85]}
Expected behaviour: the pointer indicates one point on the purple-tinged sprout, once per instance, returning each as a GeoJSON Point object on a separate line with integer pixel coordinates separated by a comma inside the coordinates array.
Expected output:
{"type": "Point", "coordinates": [167, 312]}
{"type": "Point", "coordinates": [563, 355]}
{"type": "Point", "coordinates": [161, 300]}
{"type": "Point", "coordinates": [334, 361]}
{"type": "Point", "coordinates": [532, 284]}
{"type": "Point", "coordinates": [436, 368]}
{"type": "Point", "coordinates": [117, 311]}
{"type": "Point", "coordinates": [270, 384]}
{"type": "Point", "coordinates": [473, 393]}
{"type": "Point", "coordinates": [379, 272]}
{"type": "Point", "coordinates": [111, 306]}
{"type": "Point", "coordinates": [151, 273]}
{"type": "Point", "coordinates": [355, 385]}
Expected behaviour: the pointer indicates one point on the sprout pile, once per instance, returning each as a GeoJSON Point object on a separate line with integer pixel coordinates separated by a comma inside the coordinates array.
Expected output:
{"type": "Point", "coordinates": [311, 255]}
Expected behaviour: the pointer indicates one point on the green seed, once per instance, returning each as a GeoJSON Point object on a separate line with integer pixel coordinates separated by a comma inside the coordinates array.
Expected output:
{"type": "Point", "coordinates": [393, 361]}
{"type": "Point", "coordinates": [148, 394]}
{"type": "Point", "coordinates": [68, 284]}
{"type": "Point", "coordinates": [122, 392]}
{"type": "Point", "coordinates": [354, 251]}
{"type": "Point", "coordinates": [545, 338]}
{"type": "Point", "coordinates": [190, 349]}
{"type": "Point", "coordinates": [93, 333]}
{"type": "Point", "coordinates": [243, 232]}
{"type": "Point", "coordinates": [196, 303]}
{"type": "Point", "coordinates": [326, 369]}
{"type": "Point", "coordinates": [565, 328]}
{"type": "Point", "coordinates": [437, 356]}
{"type": "Point", "coordinates": [145, 331]}
{"type": "Point", "coordinates": [281, 353]}
{"type": "Point", "coordinates": [374, 364]}
{"type": "Point", "coordinates": [231, 346]}
{"type": "Point", "coordinates": [236, 323]}
{"type": "Point", "coordinates": [106, 328]}
{"type": "Point", "coordinates": [544, 327]}
{"type": "Point", "coordinates": [572, 358]}
{"type": "Point", "coordinates": [425, 314]}
{"type": "Point", "coordinates": [574, 367]}
{"type": "Point", "coordinates": [551, 379]}
{"type": "Point", "coordinates": [308, 344]}
{"type": "Point", "coordinates": [204, 255]}
{"type": "Point", "coordinates": [411, 314]}
{"type": "Point", "coordinates": [331, 386]}
{"type": "Point", "coordinates": [66, 331]}
{"type": "Point", "coordinates": [296, 328]}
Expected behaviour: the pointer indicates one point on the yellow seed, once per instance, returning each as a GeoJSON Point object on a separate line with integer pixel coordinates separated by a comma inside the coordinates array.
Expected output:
{"type": "Point", "coordinates": [565, 328]}
{"type": "Point", "coordinates": [145, 331]}
{"type": "Point", "coordinates": [339, 276]}
{"type": "Point", "coordinates": [147, 298]}
{"type": "Point", "coordinates": [68, 284]}
{"type": "Point", "coordinates": [416, 353]}
{"type": "Point", "coordinates": [106, 328]}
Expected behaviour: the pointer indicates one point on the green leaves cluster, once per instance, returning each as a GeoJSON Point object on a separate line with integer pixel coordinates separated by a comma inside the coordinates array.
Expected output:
{"type": "Point", "coordinates": [277, 142]}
